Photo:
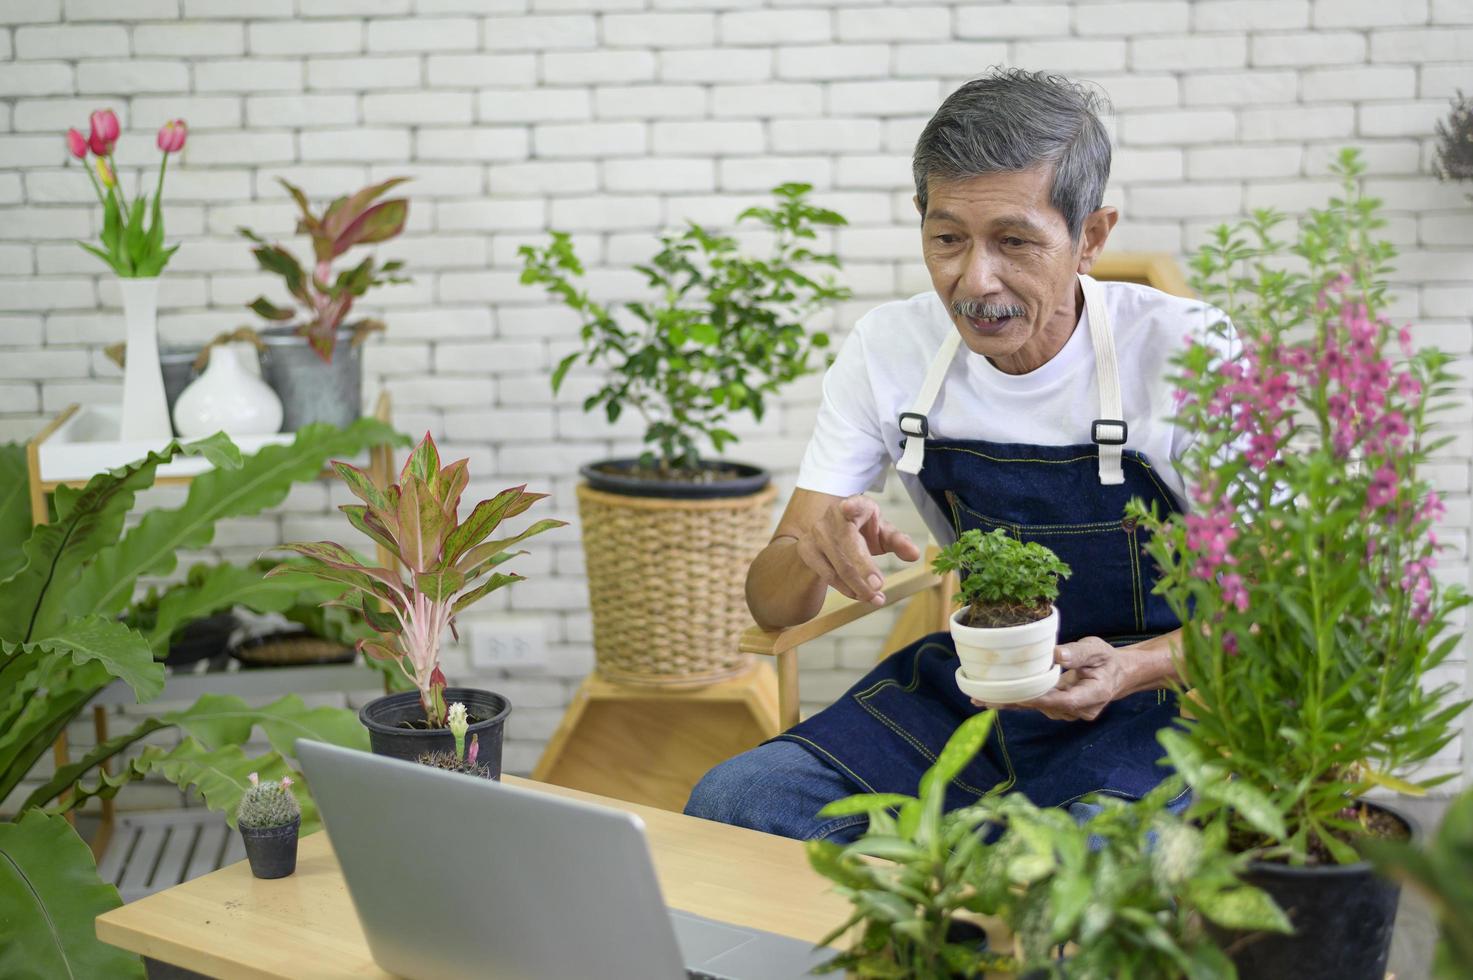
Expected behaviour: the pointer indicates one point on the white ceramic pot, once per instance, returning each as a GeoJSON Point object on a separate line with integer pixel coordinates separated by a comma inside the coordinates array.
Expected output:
{"type": "Point", "coordinates": [145, 407]}
{"type": "Point", "coordinates": [1003, 664]}
{"type": "Point", "coordinates": [228, 397]}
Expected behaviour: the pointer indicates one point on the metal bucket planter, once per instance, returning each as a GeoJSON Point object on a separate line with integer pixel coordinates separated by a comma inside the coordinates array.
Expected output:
{"type": "Point", "coordinates": [311, 389]}
{"type": "Point", "coordinates": [666, 563]}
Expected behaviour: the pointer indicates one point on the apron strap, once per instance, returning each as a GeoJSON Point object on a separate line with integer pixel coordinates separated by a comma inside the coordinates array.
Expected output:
{"type": "Point", "coordinates": [1109, 431]}
{"type": "Point", "coordinates": [914, 423]}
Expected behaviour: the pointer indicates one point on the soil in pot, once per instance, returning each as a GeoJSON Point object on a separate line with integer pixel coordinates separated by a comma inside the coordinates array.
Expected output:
{"type": "Point", "coordinates": [397, 728]}
{"type": "Point", "coordinates": [1343, 916]}
{"type": "Point", "coordinates": [272, 851]}
{"type": "Point", "coordinates": [993, 615]}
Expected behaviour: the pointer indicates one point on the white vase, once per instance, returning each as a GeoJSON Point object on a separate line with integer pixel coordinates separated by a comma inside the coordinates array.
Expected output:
{"type": "Point", "coordinates": [145, 408]}
{"type": "Point", "coordinates": [1002, 664]}
{"type": "Point", "coordinates": [228, 397]}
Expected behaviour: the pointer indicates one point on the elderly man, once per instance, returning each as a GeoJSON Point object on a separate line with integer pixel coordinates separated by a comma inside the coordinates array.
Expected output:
{"type": "Point", "coordinates": [1019, 394]}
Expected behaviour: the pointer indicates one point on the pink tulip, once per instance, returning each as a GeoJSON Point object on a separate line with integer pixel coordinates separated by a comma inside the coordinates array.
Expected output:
{"type": "Point", "coordinates": [105, 131]}
{"type": "Point", "coordinates": [172, 135]}
{"type": "Point", "coordinates": [77, 144]}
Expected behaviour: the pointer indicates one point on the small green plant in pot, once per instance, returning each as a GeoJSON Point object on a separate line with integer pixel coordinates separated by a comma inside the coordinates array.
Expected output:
{"type": "Point", "coordinates": [1303, 573]}
{"type": "Point", "coordinates": [1125, 893]}
{"type": "Point", "coordinates": [268, 818]}
{"type": "Point", "coordinates": [1007, 626]}
{"type": "Point", "coordinates": [447, 564]}
{"type": "Point", "coordinates": [721, 333]}
{"type": "Point", "coordinates": [316, 380]}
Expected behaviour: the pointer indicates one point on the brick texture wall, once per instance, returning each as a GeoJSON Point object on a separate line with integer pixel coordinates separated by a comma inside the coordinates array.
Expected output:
{"type": "Point", "coordinates": [615, 118]}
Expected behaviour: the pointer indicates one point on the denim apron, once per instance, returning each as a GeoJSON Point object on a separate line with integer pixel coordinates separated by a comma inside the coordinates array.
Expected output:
{"type": "Point", "coordinates": [888, 729]}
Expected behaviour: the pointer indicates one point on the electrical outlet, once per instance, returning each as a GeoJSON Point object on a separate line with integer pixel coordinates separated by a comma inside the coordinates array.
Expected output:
{"type": "Point", "coordinates": [509, 641]}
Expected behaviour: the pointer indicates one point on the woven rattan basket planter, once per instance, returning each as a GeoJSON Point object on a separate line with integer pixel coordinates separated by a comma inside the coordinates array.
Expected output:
{"type": "Point", "coordinates": [665, 582]}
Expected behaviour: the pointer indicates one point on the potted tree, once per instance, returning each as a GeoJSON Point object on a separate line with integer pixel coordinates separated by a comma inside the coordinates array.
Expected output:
{"type": "Point", "coordinates": [318, 381]}
{"type": "Point", "coordinates": [1007, 627]}
{"type": "Point", "coordinates": [1303, 574]}
{"type": "Point", "coordinates": [667, 535]}
{"type": "Point", "coordinates": [1126, 892]}
{"type": "Point", "coordinates": [448, 564]}
{"type": "Point", "coordinates": [268, 818]}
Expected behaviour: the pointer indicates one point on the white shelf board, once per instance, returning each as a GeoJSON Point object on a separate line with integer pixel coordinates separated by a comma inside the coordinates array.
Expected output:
{"type": "Point", "coordinates": [87, 444]}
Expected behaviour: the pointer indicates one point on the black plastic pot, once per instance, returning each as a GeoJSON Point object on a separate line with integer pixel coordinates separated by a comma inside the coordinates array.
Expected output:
{"type": "Point", "coordinates": [1343, 915]}
{"type": "Point", "coordinates": [382, 717]}
{"type": "Point", "coordinates": [201, 639]}
{"type": "Point", "coordinates": [611, 476]}
{"type": "Point", "coordinates": [272, 851]}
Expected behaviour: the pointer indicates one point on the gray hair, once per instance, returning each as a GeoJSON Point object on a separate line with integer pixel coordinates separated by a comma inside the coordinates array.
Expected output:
{"type": "Point", "coordinates": [1013, 120]}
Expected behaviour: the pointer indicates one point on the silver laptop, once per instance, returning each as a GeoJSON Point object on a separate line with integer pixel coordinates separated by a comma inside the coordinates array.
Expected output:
{"type": "Point", "coordinates": [457, 877]}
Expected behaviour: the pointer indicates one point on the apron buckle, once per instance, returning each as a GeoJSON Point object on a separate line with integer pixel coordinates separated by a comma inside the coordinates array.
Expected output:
{"type": "Point", "coordinates": [1113, 434]}
{"type": "Point", "coordinates": [921, 426]}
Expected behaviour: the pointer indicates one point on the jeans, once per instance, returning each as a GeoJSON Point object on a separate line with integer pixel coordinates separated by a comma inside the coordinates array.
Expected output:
{"type": "Point", "coordinates": [778, 788]}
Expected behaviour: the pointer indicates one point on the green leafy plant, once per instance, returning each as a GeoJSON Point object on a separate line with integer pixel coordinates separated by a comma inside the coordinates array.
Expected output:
{"type": "Point", "coordinates": [1003, 581]}
{"type": "Point", "coordinates": [448, 563]}
{"type": "Point", "coordinates": [905, 904]}
{"type": "Point", "coordinates": [1129, 891]}
{"type": "Point", "coordinates": [65, 635]}
{"type": "Point", "coordinates": [1126, 892]}
{"type": "Point", "coordinates": [269, 804]}
{"type": "Point", "coordinates": [1303, 574]}
{"type": "Point", "coordinates": [1442, 871]}
{"type": "Point", "coordinates": [722, 332]}
{"type": "Point", "coordinates": [326, 302]}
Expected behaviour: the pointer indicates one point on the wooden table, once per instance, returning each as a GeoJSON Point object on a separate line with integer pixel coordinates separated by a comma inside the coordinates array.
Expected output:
{"type": "Point", "coordinates": [230, 924]}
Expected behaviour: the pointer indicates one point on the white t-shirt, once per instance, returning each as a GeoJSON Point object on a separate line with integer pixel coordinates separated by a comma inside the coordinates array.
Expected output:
{"type": "Point", "coordinates": [880, 367]}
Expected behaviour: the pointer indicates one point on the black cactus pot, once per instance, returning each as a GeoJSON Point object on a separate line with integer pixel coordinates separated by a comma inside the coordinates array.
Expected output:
{"type": "Point", "coordinates": [392, 722]}
{"type": "Point", "coordinates": [272, 851]}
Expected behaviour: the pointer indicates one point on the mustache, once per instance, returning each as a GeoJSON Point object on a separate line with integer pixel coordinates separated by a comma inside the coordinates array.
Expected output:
{"type": "Point", "coordinates": [976, 309]}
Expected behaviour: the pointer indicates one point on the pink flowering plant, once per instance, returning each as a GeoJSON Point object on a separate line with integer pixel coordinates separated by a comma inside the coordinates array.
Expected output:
{"type": "Point", "coordinates": [1304, 572]}
{"type": "Point", "coordinates": [132, 236]}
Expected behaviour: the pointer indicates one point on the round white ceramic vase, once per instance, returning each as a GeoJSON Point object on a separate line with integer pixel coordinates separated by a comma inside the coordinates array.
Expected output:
{"type": "Point", "coordinates": [1004, 664]}
{"type": "Point", "coordinates": [145, 407]}
{"type": "Point", "coordinates": [228, 397]}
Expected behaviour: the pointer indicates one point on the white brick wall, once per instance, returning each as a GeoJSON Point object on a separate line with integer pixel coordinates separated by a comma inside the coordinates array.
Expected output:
{"type": "Point", "coordinates": [613, 118]}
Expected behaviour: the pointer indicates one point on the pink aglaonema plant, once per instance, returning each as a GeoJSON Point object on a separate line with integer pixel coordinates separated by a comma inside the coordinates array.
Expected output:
{"type": "Point", "coordinates": [442, 564]}
{"type": "Point", "coordinates": [326, 300]}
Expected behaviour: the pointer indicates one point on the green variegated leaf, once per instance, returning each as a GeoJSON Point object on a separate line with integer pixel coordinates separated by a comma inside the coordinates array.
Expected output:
{"type": "Point", "coordinates": [50, 897]}
{"type": "Point", "coordinates": [267, 310]}
{"type": "Point", "coordinates": [482, 520]}
{"type": "Point", "coordinates": [471, 560]}
{"type": "Point", "coordinates": [369, 523]}
{"type": "Point", "coordinates": [424, 462]}
{"type": "Point", "coordinates": [863, 803]}
{"type": "Point", "coordinates": [439, 586]}
{"type": "Point", "coordinates": [960, 750]}
{"type": "Point", "coordinates": [490, 585]}
{"type": "Point", "coordinates": [1241, 908]}
{"type": "Point", "coordinates": [363, 487]}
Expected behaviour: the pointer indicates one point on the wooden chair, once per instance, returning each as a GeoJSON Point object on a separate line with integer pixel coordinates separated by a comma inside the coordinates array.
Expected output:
{"type": "Point", "coordinates": [930, 606]}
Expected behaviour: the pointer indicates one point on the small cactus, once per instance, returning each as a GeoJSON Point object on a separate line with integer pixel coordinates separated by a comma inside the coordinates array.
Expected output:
{"type": "Point", "coordinates": [453, 762]}
{"type": "Point", "coordinates": [267, 804]}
